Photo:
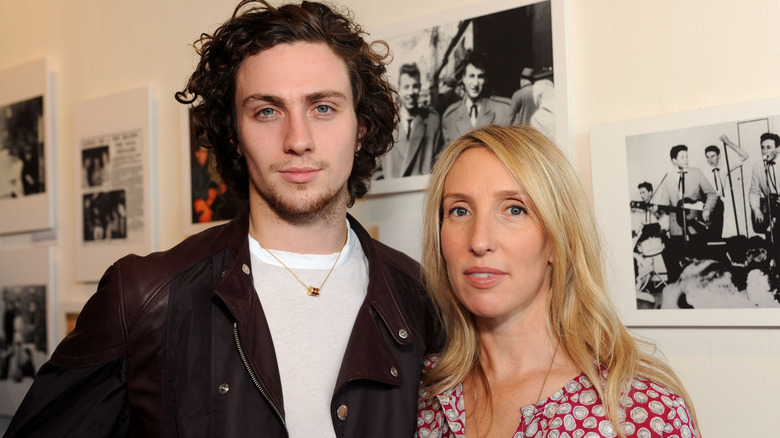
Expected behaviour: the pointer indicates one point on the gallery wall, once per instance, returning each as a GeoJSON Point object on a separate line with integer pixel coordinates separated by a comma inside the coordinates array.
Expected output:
{"type": "Point", "coordinates": [626, 59]}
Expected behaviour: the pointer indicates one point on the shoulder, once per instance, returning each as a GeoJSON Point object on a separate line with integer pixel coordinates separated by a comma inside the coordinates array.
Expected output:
{"type": "Point", "coordinates": [397, 260]}
{"type": "Point", "coordinates": [128, 289]}
{"type": "Point", "coordinates": [151, 271]}
{"type": "Point", "coordinates": [429, 114]}
{"type": "Point", "coordinates": [452, 109]}
{"type": "Point", "coordinates": [500, 102]}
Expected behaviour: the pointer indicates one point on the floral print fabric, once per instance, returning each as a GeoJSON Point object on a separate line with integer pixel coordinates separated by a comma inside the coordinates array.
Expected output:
{"type": "Point", "coordinates": [574, 411]}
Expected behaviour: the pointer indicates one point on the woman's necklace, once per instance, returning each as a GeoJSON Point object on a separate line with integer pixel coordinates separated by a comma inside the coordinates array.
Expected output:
{"type": "Point", "coordinates": [538, 397]}
{"type": "Point", "coordinates": [310, 290]}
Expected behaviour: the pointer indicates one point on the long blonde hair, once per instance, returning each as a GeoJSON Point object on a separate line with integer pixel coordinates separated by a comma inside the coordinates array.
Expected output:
{"type": "Point", "coordinates": [581, 315]}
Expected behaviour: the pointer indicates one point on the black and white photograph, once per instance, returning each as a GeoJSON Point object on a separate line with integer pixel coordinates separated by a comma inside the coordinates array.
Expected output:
{"type": "Point", "coordinates": [703, 211]}
{"type": "Point", "coordinates": [26, 333]}
{"type": "Point", "coordinates": [26, 163]}
{"type": "Point", "coordinates": [115, 166]}
{"type": "Point", "coordinates": [105, 216]}
{"type": "Point", "coordinates": [704, 215]}
{"type": "Point", "coordinates": [21, 149]}
{"type": "Point", "coordinates": [23, 339]}
{"type": "Point", "coordinates": [495, 68]}
{"type": "Point", "coordinates": [95, 166]}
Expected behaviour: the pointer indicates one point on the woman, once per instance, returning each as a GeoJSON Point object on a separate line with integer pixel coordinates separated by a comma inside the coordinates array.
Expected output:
{"type": "Point", "coordinates": [514, 267]}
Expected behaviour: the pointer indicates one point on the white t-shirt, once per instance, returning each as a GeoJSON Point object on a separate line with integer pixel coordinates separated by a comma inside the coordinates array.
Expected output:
{"type": "Point", "coordinates": [310, 334]}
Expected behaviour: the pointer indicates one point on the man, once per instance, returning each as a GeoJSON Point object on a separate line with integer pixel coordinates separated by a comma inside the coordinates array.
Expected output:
{"type": "Point", "coordinates": [418, 136]}
{"type": "Point", "coordinates": [523, 105]}
{"type": "Point", "coordinates": [645, 212]}
{"type": "Point", "coordinates": [763, 189]}
{"type": "Point", "coordinates": [720, 179]}
{"type": "Point", "coordinates": [289, 320]}
{"type": "Point", "coordinates": [686, 189]}
{"type": "Point", "coordinates": [476, 108]}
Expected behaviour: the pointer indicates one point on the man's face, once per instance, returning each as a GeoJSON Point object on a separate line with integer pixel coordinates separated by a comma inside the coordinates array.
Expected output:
{"type": "Point", "coordinates": [297, 129]}
{"type": "Point", "coordinates": [682, 160]}
{"type": "Point", "coordinates": [474, 81]}
{"type": "Point", "coordinates": [409, 89]}
{"type": "Point", "coordinates": [644, 194]}
{"type": "Point", "coordinates": [712, 158]}
{"type": "Point", "coordinates": [768, 149]}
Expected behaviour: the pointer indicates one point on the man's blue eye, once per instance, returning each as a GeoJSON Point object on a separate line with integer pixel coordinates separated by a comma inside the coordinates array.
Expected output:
{"type": "Point", "coordinates": [323, 108]}
{"type": "Point", "coordinates": [267, 112]}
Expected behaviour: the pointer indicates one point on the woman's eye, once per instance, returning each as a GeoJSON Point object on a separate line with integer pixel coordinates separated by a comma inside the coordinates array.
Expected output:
{"type": "Point", "coordinates": [458, 211]}
{"type": "Point", "coordinates": [516, 210]}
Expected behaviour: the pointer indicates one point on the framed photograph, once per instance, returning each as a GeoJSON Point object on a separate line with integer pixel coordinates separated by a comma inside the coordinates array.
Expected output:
{"type": "Point", "coordinates": [26, 142]}
{"type": "Point", "coordinates": [688, 209]}
{"type": "Point", "coordinates": [499, 62]}
{"type": "Point", "coordinates": [207, 200]}
{"type": "Point", "coordinates": [27, 338]}
{"type": "Point", "coordinates": [114, 161]}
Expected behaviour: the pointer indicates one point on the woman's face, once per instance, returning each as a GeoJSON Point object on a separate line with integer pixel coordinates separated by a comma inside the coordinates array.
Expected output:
{"type": "Point", "coordinates": [498, 257]}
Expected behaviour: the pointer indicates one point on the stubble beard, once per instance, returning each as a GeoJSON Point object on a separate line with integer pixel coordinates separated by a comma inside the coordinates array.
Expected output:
{"type": "Point", "coordinates": [324, 207]}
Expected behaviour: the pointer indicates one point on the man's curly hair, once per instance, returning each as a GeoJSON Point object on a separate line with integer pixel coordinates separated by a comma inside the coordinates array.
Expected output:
{"type": "Point", "coordinates": [256, 26]}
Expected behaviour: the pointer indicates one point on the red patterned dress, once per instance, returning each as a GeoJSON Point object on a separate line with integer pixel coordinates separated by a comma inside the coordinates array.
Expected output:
{"type": "Point", "coordinates": [574, 411]}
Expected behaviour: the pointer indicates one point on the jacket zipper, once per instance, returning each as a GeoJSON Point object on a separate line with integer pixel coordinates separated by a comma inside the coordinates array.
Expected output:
{"type": "Point", "coordinates": [257, 383]}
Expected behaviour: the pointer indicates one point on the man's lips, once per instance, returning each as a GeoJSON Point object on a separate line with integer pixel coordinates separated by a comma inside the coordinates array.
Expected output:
{"type": "Point", "coordinates": [299, 175]}
{"type": "Point", "coordinates": [483, 277]}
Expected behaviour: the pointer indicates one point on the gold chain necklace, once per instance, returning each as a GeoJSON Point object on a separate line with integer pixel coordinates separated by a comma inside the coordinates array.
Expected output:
{"type": "Point", "coordinates": [538, 397]}
{"type": "Point", "coordinates": [310, 290]}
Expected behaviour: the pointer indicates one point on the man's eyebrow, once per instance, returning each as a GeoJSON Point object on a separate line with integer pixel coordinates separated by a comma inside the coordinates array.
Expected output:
{"type": "Point", "coordinates": [276, 100]}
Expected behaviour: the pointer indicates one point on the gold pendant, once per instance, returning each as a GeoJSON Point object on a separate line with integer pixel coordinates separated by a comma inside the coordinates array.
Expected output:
{"type": "Point", "coordinates": [313, 291]}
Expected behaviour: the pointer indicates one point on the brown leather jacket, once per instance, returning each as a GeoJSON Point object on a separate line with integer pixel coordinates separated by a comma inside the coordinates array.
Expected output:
{"type": "Point", "coordinates": [176, 344]}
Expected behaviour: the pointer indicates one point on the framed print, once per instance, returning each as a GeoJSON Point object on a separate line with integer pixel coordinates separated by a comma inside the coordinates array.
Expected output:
{"type": "Point", "coordinates": [688, 209]}
{"type": "Point", "coordinates": [114, 191]}
{"type": "Point", "coordinates": [207, 200]}
{"type": "Point", "coordinates": [27, 338]}
{"type": "Point", "coordinates": [499, 62]}
{"type": "Point", "coordinates": [26, 142]}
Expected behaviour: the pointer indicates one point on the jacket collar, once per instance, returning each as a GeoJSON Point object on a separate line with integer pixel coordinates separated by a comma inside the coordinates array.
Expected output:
{"type": "Point", "coordinates": [369, 353]}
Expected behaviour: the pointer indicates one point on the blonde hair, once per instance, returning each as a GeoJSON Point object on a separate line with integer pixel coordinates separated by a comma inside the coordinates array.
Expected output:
{"type": "Point", "coordinates": [581, 316]}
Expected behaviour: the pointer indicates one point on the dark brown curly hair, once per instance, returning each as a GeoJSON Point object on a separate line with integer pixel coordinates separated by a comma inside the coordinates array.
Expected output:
{"type": "Point", "coordinates": [256, 26]}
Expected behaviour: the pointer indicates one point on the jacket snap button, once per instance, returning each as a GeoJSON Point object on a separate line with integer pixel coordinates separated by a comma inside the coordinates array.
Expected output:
{"type": "Point", "coordinates": [394, 371]}
{"type": "Point", "coordinates": [403, 334]}
{"type": "Point", "coordinates": [224, 388]}
{"type": "Point", "coordinates": [342, 412]}
{"type": "Point", "coordinates": [245, 268]}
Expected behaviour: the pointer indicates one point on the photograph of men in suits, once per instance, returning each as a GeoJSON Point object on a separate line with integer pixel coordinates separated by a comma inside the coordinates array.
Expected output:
{"type": "Point", "coordinates": [685, 185]}
{"type": "Point", "coordinates": [418, 136]}
{"type": "Point", "coordinates": [477, 108]}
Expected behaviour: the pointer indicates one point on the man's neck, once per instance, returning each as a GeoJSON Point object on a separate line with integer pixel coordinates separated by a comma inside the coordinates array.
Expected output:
{"type": "Point", "coordinates": [322, 234]}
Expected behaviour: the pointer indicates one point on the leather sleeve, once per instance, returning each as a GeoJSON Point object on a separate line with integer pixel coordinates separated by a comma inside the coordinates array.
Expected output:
{"type": "Point", "coordinates": [82, 390]}
{"type": "Point", "coordinates": [88, 402]}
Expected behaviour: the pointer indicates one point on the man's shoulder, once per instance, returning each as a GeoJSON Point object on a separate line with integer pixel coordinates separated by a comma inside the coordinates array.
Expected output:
{"type": "Point", "coordinates": [160, 267]}
{"type": "Point", "coordinates": [398, 260]}
{"type": "Point", "coordinates": [452, 109]}
{"type": "Point", "coordinates": [499, 101]}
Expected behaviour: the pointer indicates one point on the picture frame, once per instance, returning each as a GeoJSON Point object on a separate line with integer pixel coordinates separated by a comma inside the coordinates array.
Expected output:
{"type": "Point", "coordinates": [27, 278]}
{"type": "Point", "coordinates": [714, 269]}
{"type": "Point", "coordinates": [26, 148]}
{"type": "Point", "coordinates": [441, 46]}
{"type": "Point", "coordinates": [114, 159]}
{"type": "Point", "coordinates": [206, 200]}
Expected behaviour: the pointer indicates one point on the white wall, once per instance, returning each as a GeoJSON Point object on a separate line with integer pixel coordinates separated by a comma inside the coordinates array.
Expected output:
{"type": "Point", "coordinates": [627, 59]}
